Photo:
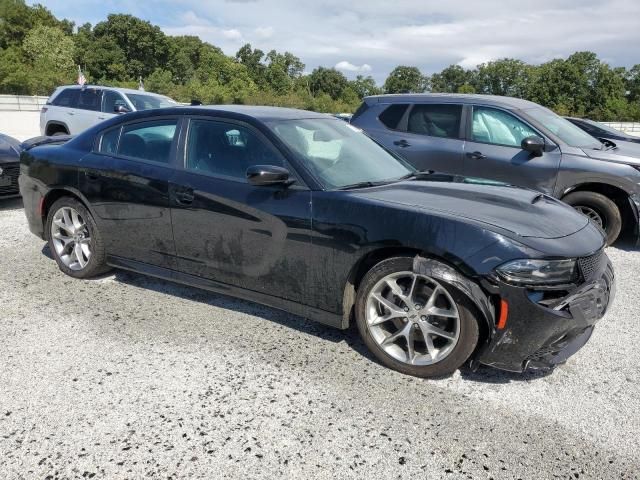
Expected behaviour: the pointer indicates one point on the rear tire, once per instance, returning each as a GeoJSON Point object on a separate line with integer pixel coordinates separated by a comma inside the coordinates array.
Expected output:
{"type": "Point", "coordinates": [601, 210]}
{"type": "Point", "coordinates": [412, 323]}
{"type": "Point", "coordinates": [74, 239]}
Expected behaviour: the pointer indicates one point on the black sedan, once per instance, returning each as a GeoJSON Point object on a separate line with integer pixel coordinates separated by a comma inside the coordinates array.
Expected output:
{"type": "Point", "coordinates": [305, 213]}
{"type": "Point", "coordinates": [602, 131]}
{"type": "Point", "coordinates": [9, 166]}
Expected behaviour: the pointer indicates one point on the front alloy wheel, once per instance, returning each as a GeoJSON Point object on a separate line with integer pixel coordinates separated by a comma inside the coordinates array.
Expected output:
{"type": "Point", "coordinates": [413, 318]}
{"type": "Point", "coordinates": [414, 323]}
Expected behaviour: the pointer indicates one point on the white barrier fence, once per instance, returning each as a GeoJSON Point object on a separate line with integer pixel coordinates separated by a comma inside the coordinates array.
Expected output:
{"type": "Point", "coordinates": [21, 103]}
{"type": "Point", "coordinates": [630, 128]}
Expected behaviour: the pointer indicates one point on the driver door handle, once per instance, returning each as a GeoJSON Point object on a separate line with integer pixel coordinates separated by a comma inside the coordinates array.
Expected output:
{"type": "Point", "coordinates": [402, 143]}
{"type": "Point", "coordinates": [476, 155]}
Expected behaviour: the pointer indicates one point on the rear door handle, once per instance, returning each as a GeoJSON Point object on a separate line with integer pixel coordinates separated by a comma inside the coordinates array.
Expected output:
{"type": "Point", "coordinates": [402, 143]}
{"type": "Point", "coordinates": [476, 155]}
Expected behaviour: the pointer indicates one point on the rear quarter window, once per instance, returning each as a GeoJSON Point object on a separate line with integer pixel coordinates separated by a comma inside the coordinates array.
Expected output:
{"type": "Point", "coordinates": [67, 98]}
{"type": "Point", "coordinates": [393, 114]}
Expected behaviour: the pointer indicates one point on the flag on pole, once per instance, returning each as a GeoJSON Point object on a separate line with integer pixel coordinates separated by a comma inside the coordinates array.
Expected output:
{"type": "Point", "coordinates": [81, 78]}
{"type": "Point", "coordinates": [140, 84]}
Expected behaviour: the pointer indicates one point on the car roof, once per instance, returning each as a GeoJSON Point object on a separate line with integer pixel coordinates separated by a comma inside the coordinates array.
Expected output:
{"type": "Point", "coordinates": [493, 100]}
{"type": "Point", "coordinates": [104, 87]}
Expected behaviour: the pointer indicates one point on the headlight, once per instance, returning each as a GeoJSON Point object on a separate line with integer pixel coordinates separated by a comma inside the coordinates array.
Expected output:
{"type": "Point", "coordinates": [538, 272]}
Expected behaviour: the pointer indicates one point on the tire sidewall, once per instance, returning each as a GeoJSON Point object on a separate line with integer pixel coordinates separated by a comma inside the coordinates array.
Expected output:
{"type": "Point", "coordinates": [604, 206]}
{"type": "Point", "coordinates": [469, 328]}
{"type": "Point", "coordinates": [95, 264]}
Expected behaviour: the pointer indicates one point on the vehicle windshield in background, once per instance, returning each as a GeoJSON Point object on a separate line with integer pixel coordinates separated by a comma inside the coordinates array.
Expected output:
{"type": "Point", "coordinates": [339, 154]}
{"type": "Point", "coordinates": [149, 102]}
{"type": "Point", "coordinates": [604, 127]}
{"type": "Point", "coordinates": [564, 129]}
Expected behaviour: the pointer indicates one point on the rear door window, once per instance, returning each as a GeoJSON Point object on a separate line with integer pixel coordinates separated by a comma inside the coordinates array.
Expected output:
{"type": "Point", "coordinates": [67, 98]}
{"type": "Point", "coordinates": [90, 99]}
{"type": "Point", "coordinates": [148, 140]}
{"type": "Point", "coordinates": [435, 120]}
{"type": "Point", "coordinates": [109, 141]}
{"type": "Point", "coordinates": [393, 114]}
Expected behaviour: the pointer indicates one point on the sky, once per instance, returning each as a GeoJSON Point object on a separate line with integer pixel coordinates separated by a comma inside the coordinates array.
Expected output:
{"type": "Point", "coordinates": [372, 37]}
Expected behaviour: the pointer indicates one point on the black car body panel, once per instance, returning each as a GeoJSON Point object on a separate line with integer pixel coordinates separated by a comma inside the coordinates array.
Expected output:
{"type": "Point", "coordinates": [9, 166]}
{"type": "Point", "coordinates": [303, 248]}
{"type": "Point", "coordinates": [559, 170]}
{"type": "Point", "coordinates": [600, 130]}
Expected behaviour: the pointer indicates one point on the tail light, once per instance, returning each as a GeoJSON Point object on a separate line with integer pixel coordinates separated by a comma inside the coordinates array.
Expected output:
{"type": "Point", "coordinates": [44, 110]}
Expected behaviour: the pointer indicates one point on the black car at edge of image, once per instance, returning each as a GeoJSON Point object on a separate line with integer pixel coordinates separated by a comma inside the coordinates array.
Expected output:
{"type": "Point", "coordinates": [602, 131]}
{"type": "Point", "coordinates": [306, 213]}
{"type": "Point", "coordinates": [514, 141]}
{"type": "Point", "coordinates": [9, 166]}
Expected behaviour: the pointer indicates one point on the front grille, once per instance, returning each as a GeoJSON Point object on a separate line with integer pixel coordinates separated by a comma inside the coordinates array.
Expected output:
{"type": "Point", "coordinates": [589, 264]}
{"type": "Point", "coordinates": [11, 171]}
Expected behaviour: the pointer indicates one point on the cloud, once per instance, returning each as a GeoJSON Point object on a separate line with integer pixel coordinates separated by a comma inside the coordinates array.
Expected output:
{"type": "Point", "coordinates": [264, 32]}
{"type": "Point", "coordinates": [350, 67]}
{"type": "Point", "coordinates": [429, 35]}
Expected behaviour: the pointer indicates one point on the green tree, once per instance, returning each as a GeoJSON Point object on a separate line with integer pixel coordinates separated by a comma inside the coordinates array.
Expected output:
{"type": "Point", "coordinates": [144, 45]}
{"type": "Point", "coordinates": [329, 81]}
{"type": "Point", "coordinates": [403, 79]}
{"type": "Point", "coordinates": [508, 77]}
{"type": "Point", "coordinates": [451, 79]}
{"type": "Point", "coordinates": [49, 52]}
{"type": "Point", "coordinates": [17, 19]}
{"type": "Point", "coordinates": [365, 86]}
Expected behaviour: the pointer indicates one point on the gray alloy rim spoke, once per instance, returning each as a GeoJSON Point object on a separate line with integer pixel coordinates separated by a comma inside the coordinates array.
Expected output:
{"type": "Point", "coordinates": [70, 238]}
{"type": "Point", "coordinates": [413, 318]}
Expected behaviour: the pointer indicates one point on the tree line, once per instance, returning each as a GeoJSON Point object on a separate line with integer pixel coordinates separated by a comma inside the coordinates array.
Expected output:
{"type": "Point", "coordinates": [39, 52]}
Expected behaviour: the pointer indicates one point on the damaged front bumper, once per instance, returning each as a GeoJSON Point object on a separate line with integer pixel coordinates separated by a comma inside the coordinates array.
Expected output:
{"type": "Point", "coordinates": [545, 326]}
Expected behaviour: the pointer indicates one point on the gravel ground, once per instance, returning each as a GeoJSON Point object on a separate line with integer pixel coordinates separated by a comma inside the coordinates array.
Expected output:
{"type": "Point", "coordinates": [126, 376]}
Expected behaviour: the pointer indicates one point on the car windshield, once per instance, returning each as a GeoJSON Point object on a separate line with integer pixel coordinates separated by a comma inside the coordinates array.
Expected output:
{"type": "Point", "coordinates": [339, 154]}
{"type": "Point", "coordinates": [563, 129]}
{"type": "Point", "coordinates": [149, 102]}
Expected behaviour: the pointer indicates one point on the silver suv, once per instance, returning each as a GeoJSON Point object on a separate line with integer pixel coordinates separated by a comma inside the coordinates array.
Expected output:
{"type": "Point", "coordinates": [74, 108]}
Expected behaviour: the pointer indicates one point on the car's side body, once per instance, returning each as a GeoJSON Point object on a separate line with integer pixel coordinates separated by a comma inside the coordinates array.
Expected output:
{"type": "Point", "coordinates": [303, 248]}
{"type": "Point", "coordinates": [559, 170]}
{"type": "Point", "coordinates": [72, 109]}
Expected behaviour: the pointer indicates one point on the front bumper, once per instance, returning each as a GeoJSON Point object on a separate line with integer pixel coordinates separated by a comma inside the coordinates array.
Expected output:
{"type": "Point", "coordinates": [546, 326]}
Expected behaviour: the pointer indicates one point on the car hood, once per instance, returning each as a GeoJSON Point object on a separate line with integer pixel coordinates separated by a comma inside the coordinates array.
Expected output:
{"type": "Point", "coordinates": [526, 213]}
{"type": "Point", "coordinates": [625, 152]}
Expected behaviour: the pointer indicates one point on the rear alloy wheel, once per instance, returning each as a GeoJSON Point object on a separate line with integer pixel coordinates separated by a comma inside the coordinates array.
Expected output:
{"type": "Point", "coordinates": [414, 323]}
{"type": "Point", "coordinates": [74, 239]}
{"type": "Point", "coordinates": [600, 210]}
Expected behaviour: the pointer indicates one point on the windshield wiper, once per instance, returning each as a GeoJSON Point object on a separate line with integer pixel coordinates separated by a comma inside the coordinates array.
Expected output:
{"type": "Point", "coordinates": [417, 175]}
{"type": "Point", "coordinates": [357, 185]}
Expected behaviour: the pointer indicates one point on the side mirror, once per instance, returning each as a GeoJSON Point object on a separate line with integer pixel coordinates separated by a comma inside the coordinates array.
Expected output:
{"type": "Point", "coordinates": [267, 175]}
{"type": "Point", "coordinates": [121, 109]}
{"type": "Point", "coordinates": [533, 145]}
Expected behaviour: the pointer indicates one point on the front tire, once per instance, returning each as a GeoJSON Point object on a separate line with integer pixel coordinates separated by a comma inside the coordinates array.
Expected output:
{"type": "Point", "coordinates": [74, 239]}
{"type": "Point", "coordinates": [413, 323]}
{"type": "Point", "coordinates": [600, 209]}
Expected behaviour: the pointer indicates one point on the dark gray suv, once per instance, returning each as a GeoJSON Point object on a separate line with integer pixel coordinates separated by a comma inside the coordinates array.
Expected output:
{"type": "Point", "coordinates": [513, 141]}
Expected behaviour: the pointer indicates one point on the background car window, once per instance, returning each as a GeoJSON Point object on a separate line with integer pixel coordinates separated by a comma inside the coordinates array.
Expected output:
{"type": "Point", "coordinates": [435, 120]}
{"type": "Point", "coordinates": [90, 99]}
{"type": "Point", "coordinates": [149, 102]}
{"type": "Point", "coordinates": [67, 98]}
{"type": "Point", "coordinates": [148, 140]}
{"type": "Point", "coordinates": [226, 149]}
{"type": "Point", "coordinates": [109, 141]}
{"type": "Point", "coordinates": [392, 115]}
{"type": "Point", "coordinates": [498, 127]}
{"type": "Point", "coordinates": [111, 101]}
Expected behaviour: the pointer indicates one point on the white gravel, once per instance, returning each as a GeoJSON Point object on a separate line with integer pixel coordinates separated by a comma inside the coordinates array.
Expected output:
{"type": "Point", "coordinates": [129, 377]}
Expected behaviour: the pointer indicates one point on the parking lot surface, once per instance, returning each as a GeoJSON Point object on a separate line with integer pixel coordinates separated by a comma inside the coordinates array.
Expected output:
{"type": "Point", "coordinates": [127, 376]}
